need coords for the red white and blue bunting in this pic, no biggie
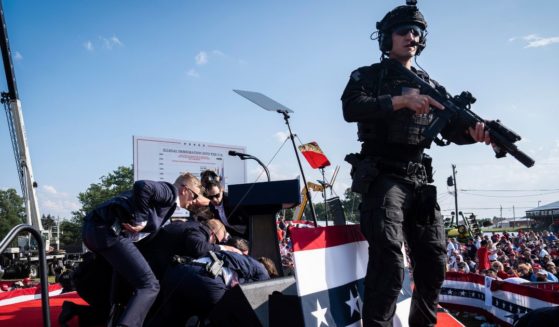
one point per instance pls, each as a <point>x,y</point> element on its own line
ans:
<point>500,300</point>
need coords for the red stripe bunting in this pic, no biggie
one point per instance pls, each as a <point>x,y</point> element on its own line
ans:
<point>533,292</point>
<point>462,277</point>
<point>324,237</point>
<point>497,285</point>
<point>27,291</point>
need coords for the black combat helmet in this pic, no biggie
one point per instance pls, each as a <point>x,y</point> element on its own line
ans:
<point>401,15</point>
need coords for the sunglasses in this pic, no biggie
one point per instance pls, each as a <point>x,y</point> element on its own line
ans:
<point>405,29</point>
<point>215,196</point>
<point>194,194</point>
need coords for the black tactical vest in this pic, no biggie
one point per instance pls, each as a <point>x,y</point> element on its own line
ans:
<point>399,127</point>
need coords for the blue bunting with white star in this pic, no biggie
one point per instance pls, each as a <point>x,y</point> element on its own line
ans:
<point>338,306</point>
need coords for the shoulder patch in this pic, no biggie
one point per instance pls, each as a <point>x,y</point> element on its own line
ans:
<point>356,75</point>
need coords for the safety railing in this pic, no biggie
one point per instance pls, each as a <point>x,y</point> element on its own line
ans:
<point>42,264</point>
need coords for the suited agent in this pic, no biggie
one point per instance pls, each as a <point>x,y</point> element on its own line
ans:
<point>233,219</point>
<point>111,229</point>
<point>189,290</point>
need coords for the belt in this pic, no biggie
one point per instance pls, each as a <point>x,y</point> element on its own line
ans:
<point>401,168</point>
<point>178,259</point>
<point>213,268</point>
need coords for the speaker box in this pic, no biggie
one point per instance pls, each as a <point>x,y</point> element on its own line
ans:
<point>234,310</point>
<point>337,211</point>
<point>285,310</point>
<point>249,304</point>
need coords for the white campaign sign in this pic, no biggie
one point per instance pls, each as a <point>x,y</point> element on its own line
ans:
<point>165,159</point>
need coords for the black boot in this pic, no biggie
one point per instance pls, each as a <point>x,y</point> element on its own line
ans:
<point>67,313</point>
<point>114,316</point>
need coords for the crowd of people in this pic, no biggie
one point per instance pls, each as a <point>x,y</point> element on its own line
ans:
<point>516,257</point>
<point>285,242</point>
<point>8,286</point>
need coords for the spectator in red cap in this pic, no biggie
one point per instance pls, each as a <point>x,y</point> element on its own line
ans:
<point>536,266</point>
<point>539,272</point>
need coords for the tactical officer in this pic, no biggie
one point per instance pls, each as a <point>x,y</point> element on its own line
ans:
<point>393,174</point>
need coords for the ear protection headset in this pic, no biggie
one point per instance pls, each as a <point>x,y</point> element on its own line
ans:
<point>400,16</point>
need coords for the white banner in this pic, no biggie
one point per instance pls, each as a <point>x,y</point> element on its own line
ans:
<point>164,159</point>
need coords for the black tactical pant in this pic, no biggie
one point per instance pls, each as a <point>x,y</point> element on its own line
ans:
<point>388,217</point>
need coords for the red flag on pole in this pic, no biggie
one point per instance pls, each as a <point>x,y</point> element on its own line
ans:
<point>314,155</point>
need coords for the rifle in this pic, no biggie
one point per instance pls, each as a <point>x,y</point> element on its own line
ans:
<point>458,108</point>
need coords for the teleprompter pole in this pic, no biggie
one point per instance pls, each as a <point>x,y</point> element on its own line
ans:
<point>324,184</point>
<point>313,212</point>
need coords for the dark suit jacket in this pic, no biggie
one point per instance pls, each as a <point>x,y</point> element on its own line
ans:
<point>247,268</point>
<point>189,238</point>
<point>148,201</point>
<point>237,220</point>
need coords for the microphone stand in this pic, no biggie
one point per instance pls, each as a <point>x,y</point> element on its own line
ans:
<point>286,118</point>
<point>271,105</point>
<point>248,156</point>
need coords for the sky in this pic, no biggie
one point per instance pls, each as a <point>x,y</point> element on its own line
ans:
<point>91,74</point>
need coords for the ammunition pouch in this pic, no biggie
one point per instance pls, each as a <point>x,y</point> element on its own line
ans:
<point>425,204</point>
<point>363,172</point>
<point>427,162</point>
<point>214,268</point>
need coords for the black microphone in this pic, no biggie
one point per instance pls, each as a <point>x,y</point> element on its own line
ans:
<point>416,43</point>
<point>239,154</point>
<point>244,156</point>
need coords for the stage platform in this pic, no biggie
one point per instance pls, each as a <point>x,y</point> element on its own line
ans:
<point>29,313</point>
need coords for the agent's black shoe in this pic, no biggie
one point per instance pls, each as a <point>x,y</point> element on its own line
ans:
<point>67,313</point>
<point>114,316</point>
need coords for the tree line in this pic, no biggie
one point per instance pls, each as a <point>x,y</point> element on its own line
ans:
<point>12,208</point>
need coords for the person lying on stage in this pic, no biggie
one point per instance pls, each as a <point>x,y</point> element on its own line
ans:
<point>93,278</point>
<point>239,243</point>
<point>192,288</point>
<point>185,238</point>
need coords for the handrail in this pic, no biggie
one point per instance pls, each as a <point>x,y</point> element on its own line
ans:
<point>42,264</point>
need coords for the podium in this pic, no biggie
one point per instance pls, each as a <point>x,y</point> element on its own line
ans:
<point>260,202</point>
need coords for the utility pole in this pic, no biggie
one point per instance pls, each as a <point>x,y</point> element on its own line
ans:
<point>455,192</point>
<point>513,216</point>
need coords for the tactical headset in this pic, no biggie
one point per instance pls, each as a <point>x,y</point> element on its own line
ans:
<point>401,15</point>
